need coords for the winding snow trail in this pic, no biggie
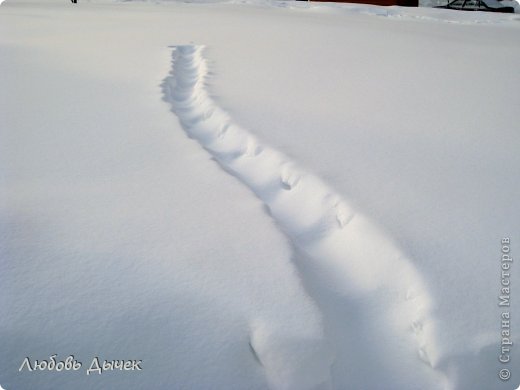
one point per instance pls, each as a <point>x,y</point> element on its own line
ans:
<point>346,261</point>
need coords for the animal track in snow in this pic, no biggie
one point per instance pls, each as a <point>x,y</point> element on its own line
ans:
<point>353,256</point>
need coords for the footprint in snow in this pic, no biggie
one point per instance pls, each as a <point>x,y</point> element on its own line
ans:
<point>289,179</point>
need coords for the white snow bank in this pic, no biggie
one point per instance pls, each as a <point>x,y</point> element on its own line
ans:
<point>122,238</point>
<point>351,254</point>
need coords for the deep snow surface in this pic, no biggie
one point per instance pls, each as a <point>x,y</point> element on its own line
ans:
<point>257,194</point>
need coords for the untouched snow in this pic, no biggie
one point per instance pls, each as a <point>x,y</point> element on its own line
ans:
<point>334,222</point>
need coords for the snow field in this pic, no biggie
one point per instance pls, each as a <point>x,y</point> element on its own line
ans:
<point>376,155</point>
<point>353,256</point>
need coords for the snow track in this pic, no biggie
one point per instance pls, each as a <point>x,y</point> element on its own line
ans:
<point>345,260</point>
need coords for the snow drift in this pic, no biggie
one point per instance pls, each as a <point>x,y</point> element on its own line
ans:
<point>323,208</point>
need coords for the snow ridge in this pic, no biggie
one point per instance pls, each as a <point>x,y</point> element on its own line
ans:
<point>346,254</point>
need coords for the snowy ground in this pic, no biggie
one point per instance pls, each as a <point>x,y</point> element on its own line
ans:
<point>257,194</point>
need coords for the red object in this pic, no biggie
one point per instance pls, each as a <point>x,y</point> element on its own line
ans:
<point>403,3</point>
